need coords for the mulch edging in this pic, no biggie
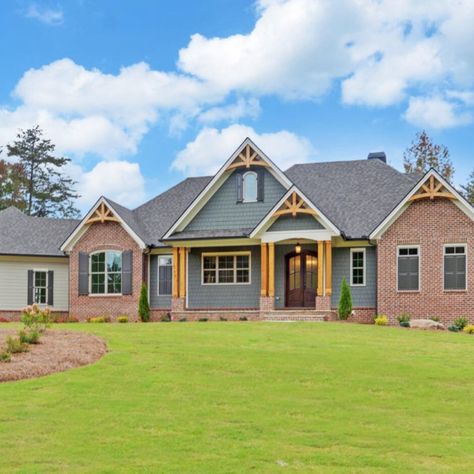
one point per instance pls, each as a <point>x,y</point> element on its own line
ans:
<point>58,351</point>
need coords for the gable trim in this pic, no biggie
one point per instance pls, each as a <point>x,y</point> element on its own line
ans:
<point>267,220</point>
<point>88,219</point>
<point>452,194</point>
<point>217,181</point>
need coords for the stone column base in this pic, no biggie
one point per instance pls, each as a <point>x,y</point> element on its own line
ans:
<point>178,304</point>
<point>267,303</point>
<point>323,303</point>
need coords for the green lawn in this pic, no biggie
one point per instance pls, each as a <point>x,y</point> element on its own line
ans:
<point>249,397</point>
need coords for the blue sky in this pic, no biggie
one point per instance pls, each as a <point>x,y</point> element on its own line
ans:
<point>141,94</point>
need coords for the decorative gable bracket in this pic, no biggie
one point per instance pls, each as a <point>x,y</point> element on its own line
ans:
<point>293,206</point>
<point>102,214</point>
<point>247,157</point>
<point>432,189</point>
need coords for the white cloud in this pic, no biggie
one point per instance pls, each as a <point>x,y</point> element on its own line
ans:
<point>435,112</point>
<point>48,16</point>
<point>233,112</point>
<point>212,147</point>
<point>120,181</point>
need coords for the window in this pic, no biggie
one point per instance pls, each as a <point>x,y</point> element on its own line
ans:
<point>357,267</point>
<point>250,187</point>
<point>408,268</point>
<point>165,275</point>
<point>454,267</point>
<point>40,286</point>
<point>106,272</point>
<point>226,268</point>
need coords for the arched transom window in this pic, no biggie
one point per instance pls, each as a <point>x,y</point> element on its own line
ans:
<point>106,272</point>
<point>250,186</point>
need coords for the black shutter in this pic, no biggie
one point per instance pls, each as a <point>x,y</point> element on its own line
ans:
<point>83,273</point>
<point>30,287</point>
<point>260,184</point>
<point>240,187</point>
<point>50,287</point>
<point>127,260</point>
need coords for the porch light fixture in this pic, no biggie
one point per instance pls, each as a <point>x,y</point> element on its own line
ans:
<point>298,248</point>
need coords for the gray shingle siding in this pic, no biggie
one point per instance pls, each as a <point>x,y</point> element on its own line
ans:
<point>302,222</point>
<point>223,296</point>
<point>362,296</point>
<point>156,301</point>
<point>223,212</point>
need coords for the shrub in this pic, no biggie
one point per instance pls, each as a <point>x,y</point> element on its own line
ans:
<point>34,318</point>
<point>436,319</point>
<point>243,318</point>
<point>4,320</point>
<point>461,322</point>
<point>202,320</point>
<point>403,318</point>
<point>165,318</point>
<point>5,356</point>
<point>381,320</point>
<point>29,337</point>
<point>143,305</point>
<point>122,319</point>
<point>405,324</point>
<point>221,318</point>
<point>469,329</point>
<point>72,319</point>
<point>183,320</point>
<point>14,345</point>
<point>345,301</point>
<point>453,328</point>
<point>97,319</point>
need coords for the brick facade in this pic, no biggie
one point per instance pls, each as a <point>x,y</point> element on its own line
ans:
<point>429,224</point>
<point>105,236</point>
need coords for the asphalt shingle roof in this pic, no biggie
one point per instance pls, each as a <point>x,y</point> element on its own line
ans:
<point>24,235</point>
<point>355,195</point>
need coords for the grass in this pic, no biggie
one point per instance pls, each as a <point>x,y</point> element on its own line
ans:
<point>249,397</point>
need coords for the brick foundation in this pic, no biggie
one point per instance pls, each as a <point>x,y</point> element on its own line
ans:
<point>429,224</point>
<point>105,236</point>
<point>363,315</point>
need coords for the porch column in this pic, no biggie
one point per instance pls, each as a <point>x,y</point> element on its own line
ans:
<point>264,269</point>
<point>320,268</point>
<point>328,254</point>
<point>175,272</point>
<point>271,270</point>
<point>182,272</point>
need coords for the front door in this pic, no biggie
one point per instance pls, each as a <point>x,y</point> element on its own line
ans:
<point>301,273</point>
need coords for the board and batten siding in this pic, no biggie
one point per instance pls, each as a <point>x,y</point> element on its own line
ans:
<point>223,296</point>
<point>157,301</point>
<point>14,281</point>
<point>362,296</point>
<point>222,211</point>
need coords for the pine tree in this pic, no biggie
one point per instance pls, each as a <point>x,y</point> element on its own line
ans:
<point>12,185</point>
<point>468,189</point>
<point>143,306</point>
<point>48,192</point>
<point>423,154</point>
<point>345,301</point>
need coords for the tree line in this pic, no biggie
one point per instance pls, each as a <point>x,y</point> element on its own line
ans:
<point>34,181</point>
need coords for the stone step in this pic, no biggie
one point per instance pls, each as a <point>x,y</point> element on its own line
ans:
<point>294,317</point>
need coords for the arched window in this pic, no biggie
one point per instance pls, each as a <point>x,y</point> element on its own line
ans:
<point>250,187</point>
<point>106,272</point>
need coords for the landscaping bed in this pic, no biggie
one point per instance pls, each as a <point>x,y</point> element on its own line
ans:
<point>56,352</point>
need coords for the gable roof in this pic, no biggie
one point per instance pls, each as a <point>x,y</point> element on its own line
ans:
<point>26,235</point>
<point>354,195</point>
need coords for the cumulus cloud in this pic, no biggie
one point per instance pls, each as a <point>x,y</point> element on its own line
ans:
<point>435,112</point>
<point>233,112</point>
<point>212,147</point>
<point>47,16</point>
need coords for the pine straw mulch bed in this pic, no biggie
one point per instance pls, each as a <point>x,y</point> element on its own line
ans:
<point>56,352</point>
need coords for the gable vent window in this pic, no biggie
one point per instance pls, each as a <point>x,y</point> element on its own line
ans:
<point>454,267</point>
<point>250,186</point>
<point>408,269</point>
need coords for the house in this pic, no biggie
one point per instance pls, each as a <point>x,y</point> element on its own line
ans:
<point>253,241</point>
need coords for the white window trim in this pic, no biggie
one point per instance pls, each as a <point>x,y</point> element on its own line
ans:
<point>364,267</point>
<point>220,254</point>
<point>444,273</point>
<point>419,267</point>
<point>106,293</point>
<point>34,286</point>
<point>243,187</point>
<point>158,273</point>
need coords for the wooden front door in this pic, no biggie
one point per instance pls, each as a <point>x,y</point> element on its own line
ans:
<point>301,274</point>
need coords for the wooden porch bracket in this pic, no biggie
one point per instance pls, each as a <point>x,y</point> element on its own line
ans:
<point>294,206</point>
<point>320,267</point>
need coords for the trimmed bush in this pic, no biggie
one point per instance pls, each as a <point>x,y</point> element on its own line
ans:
<point>405,324</point>
<point>243,318</point>
<point>143,305</point>
<point>469,329</point>
<point>403,318</point>
<point>381,320</point>
<point>166,318</point>
<point>202,320</point>
<point>97,319</point>
<point>122,319</point>
<point>345,301</point>
<point>14,345</point>
<point>461,322</point>
<point>183,320</point>
<point>453,328</point>
<point>221,318</point>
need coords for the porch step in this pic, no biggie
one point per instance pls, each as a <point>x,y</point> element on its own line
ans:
<point>279,316</point>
